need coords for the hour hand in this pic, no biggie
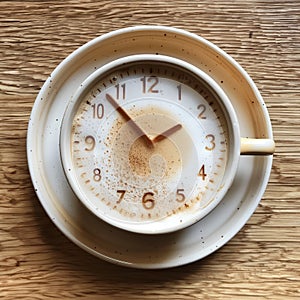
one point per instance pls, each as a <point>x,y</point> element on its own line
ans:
<point>166,133</point>
<point>127,117</point>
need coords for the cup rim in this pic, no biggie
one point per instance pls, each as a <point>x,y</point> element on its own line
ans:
<point>231,165</point>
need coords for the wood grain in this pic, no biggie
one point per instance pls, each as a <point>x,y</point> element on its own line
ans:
<point>261,261</point>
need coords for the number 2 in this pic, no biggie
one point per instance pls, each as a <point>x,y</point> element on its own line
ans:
<point>202,109</point>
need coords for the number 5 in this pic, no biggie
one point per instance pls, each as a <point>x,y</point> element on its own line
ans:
<point>180,197</point>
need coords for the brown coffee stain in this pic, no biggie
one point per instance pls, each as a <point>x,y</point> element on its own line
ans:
<point>161,160</point>
<point>139,157</point>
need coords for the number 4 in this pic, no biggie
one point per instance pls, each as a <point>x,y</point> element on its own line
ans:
<point>202,172</point>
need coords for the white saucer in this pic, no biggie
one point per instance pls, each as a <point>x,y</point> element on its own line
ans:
<point>94,235</point>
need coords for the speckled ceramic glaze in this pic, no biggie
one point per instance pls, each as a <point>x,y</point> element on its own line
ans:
<point>85,228</point>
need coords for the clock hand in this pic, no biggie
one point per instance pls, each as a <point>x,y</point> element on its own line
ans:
<point>125,115</point>
<point>166,133</point>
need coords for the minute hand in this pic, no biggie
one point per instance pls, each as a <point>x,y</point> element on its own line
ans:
<point>166,133</point>
<point>125,115</point>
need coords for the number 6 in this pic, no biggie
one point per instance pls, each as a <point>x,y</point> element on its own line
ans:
<point>148,201</point>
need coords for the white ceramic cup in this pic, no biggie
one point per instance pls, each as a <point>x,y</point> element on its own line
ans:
<point>182,218</point>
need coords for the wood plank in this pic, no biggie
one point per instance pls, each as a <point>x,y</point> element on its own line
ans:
<point>261,261</point>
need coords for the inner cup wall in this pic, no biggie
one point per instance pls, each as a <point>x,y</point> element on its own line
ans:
<point>230,129</point>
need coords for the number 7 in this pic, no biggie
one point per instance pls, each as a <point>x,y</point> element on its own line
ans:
<point>122,194</point>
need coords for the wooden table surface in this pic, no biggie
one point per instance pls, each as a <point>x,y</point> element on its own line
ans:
<point>261,262</point>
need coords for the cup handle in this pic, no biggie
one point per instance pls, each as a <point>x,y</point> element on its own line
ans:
<point>251,146</point>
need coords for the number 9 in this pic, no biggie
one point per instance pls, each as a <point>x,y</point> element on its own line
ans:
<point>90,141</point>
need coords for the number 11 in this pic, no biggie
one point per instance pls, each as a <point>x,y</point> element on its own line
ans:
<point>120,91</point>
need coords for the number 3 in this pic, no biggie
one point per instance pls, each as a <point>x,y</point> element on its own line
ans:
<point>211,139</point>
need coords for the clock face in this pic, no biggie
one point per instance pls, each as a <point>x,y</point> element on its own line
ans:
<point>148,140</point>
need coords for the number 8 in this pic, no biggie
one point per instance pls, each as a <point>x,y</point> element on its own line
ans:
<point>97,174</point>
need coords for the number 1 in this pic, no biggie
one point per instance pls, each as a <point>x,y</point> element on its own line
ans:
<point>179,92</point>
